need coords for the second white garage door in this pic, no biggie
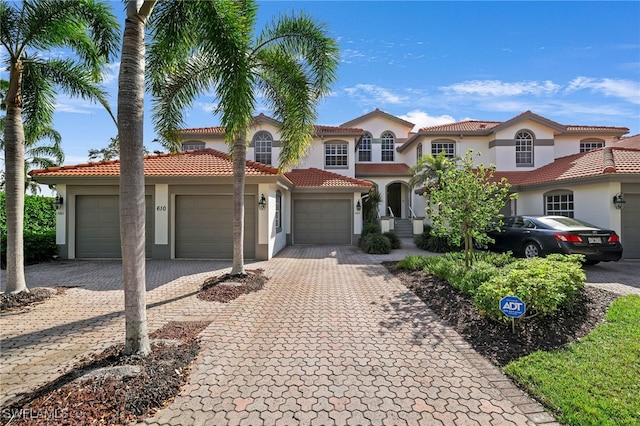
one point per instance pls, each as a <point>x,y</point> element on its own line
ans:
<point>204,226</point>
<point>322,222</point>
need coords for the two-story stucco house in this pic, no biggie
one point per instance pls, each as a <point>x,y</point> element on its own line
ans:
<point>555,168</point>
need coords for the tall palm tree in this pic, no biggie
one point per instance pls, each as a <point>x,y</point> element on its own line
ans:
<point>183,25</point>
<point>89,30</point>
<point>292,63</point>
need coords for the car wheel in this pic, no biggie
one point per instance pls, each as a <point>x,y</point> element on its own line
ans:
<point>531,249</point>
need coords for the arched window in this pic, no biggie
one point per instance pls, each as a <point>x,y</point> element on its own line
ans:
<point>524,148</point>
<point>278,211</point>
<point>364,149</point>
<point>262,144</point>
<point>192,145</point>
<point>559,203</point>
<point>388,146</point>
<point>419,151</point>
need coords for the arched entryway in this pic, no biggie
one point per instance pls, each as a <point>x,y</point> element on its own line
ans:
<point>397,199</point>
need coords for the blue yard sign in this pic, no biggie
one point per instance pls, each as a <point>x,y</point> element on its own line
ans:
<point>512,306</point>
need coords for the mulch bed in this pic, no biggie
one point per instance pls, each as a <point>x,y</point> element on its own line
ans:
<point>226,288</point>
<point>111,388</point>
<point>23,300</point>
<point>495,341</point>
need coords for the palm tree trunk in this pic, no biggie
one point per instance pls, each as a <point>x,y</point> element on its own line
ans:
<point>239,163</point>
<point>14,183</point>
<point>132,200</point>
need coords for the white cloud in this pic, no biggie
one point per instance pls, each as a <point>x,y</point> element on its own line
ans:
<point>500,88</point>
<point>624,89</point>
<point>77,106</point>
<point>375,94</point>
<point>208,107</point>
<point>423,119</point>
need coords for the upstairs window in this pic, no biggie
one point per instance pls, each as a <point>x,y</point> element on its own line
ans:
<point>262,144</point>
<point>419,151</point>
<point>364,150</point>
<point>448,147</point>
<point>192,146</point>
<point>524,149</point>
<point>559,203</point>
<point>388,146</point>
<point>336,155</point>
<point>590,145</point>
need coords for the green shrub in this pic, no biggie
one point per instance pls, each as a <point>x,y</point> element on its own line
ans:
<point>433,243</point>
<point>394,239</point>
<point>39,214</point>
<point>544,284</point>
<point>370,228</point>
<point>479,273</point>
<point>414,263</point>
<point>375,244</point>
<point>449,267</point>
<point>38,247</point>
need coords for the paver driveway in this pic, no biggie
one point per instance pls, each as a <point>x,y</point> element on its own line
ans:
<point>332,339</point>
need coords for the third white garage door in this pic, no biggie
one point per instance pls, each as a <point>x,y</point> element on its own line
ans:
<point>322,222</point>
<point>204,226</point>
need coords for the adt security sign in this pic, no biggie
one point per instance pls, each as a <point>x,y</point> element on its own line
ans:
<point>512,306</point>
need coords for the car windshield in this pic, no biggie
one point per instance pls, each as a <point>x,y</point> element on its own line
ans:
<point>561,222</point>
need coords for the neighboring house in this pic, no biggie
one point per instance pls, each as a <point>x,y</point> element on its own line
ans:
<point>555,168</point>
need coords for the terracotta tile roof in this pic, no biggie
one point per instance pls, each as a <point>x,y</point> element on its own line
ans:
<point>486,127</point>
<point>316,178</point>
<point>337,130</point>
<point>589,164</point>
<point>628,142</point>
<point>461,126</point>
<point>219,130</point>
<point>386,169</point>
<point>204,162</point>
<point>379,113</point>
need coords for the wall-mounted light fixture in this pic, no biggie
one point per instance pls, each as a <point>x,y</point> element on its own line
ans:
<point>262,203</point>
<point>358,206</point>
<point>58,202</point>
<point>618,201</point>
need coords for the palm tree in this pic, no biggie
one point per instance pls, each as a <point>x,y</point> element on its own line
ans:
<point>183,25</point>
<point>292,63</point>
<point>426,172</point>
<point>88,29</point>
<point>37,154</point>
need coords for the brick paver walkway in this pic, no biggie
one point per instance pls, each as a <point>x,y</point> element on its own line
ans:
<point>332,339</point>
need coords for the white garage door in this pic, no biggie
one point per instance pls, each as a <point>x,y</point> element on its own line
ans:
<point>98,226</point>
<point>204,226</point>
<point>631,227</point>
<point>322,222</point>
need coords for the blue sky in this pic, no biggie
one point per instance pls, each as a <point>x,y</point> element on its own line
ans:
<point>439,62</point>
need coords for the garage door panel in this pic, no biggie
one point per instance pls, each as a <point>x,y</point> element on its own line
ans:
<point>322,222</point>
<point>98,226</point>
<point>204,227</point>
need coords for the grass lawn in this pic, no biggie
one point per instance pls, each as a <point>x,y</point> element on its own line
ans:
<point>595,381</point>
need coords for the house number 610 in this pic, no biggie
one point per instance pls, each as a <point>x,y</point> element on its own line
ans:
<point>161,208</point>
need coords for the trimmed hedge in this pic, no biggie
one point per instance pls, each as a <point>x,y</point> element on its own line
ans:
<point>38,247</point>
<point>39,229</point>
<point>544,284</point>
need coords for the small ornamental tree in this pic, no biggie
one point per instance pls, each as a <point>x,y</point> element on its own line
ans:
<point>466,202</point>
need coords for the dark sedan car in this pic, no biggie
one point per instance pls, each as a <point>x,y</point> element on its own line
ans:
<point>532,236</point>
